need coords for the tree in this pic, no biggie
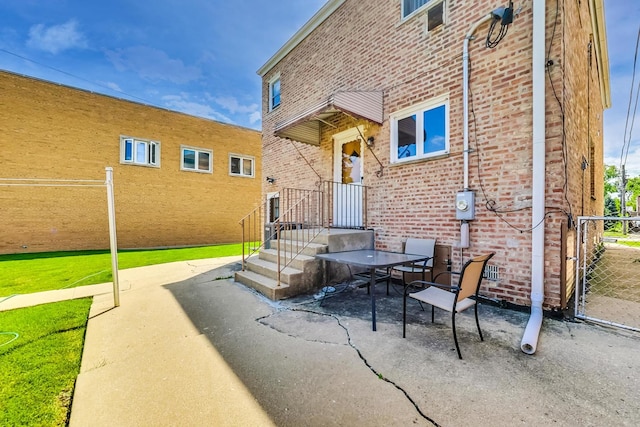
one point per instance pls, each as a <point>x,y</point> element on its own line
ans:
<point>611,179</point>
<point>633,187</point>
<point>610,209</point>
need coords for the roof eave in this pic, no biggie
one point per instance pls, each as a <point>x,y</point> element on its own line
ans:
<point>600,39</point>
<point>301,34</point>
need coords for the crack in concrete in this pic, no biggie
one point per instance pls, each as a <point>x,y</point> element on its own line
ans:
<point>353,346</point>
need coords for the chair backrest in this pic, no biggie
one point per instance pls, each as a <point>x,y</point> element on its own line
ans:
<point>471,275</point>
<point>425,247</point>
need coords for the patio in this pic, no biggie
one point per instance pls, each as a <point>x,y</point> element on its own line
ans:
<point>202,351</point>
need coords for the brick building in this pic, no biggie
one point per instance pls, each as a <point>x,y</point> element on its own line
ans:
<point>429,103</point>
<point>179,180</point>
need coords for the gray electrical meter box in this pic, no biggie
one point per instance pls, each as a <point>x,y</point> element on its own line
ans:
<point>465,206</point>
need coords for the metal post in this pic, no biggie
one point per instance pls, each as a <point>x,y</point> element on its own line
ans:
<point>113,243</point>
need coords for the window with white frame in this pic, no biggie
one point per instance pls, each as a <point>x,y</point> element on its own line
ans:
<point>274,92</point>
<point>420,131</point>
<point>409,7</point>
<point>196,159</point>
<point>241,165</point>
<point>137,151</point>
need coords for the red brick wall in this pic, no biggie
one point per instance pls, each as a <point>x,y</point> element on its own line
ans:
<point>52,131</point>
<point>365,46</point>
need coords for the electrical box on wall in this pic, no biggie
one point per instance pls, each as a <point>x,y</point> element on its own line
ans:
<point>465,206</point>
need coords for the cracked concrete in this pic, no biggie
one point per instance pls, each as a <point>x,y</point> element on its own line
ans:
<point>200,351</point>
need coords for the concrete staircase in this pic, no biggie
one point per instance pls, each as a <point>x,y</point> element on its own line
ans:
<point>305,273</point>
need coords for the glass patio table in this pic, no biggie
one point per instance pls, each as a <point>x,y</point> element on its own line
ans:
<point>371,259</point>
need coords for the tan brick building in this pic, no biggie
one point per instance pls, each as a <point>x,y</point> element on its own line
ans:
<point>179,180</point>
<point>381,87</point>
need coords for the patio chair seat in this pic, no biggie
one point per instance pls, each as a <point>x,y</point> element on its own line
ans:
<point>442,299</point>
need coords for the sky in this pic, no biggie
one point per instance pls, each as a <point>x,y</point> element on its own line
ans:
<point>200,57</point>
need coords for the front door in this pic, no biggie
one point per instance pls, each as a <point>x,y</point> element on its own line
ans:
<point>348,171</point>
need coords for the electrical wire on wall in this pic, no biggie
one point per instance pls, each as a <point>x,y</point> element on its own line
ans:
<point>565,161</point>
<point>490,203</point>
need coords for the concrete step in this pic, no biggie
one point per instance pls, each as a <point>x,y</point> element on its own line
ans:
<point>338,240</point>
<point>265,285</point>
<point>311,249</point>
<point>289,275</point>
<point>298,262</point>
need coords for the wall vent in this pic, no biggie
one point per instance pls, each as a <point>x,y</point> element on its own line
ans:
<point>491,273</point>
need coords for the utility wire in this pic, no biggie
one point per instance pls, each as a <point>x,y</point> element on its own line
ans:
<point>626,141</point>
<point>58,70</point>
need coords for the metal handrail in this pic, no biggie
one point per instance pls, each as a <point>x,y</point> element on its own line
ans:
<point>305,214</point>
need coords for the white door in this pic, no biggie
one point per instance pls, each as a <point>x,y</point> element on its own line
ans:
<point>348,171</point>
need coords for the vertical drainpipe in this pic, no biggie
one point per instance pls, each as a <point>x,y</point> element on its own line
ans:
<point>532,331</point>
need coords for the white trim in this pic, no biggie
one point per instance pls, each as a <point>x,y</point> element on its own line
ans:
<point>302,33</point>
<point>149,143</point>
<point>196,160</point>
<point>428,5</point>
<point>272,80</point>
<point>243,157</point>
<point>442,100</point>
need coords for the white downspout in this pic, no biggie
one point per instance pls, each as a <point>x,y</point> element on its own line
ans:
<point>465,96</point>
<point>532,331</point>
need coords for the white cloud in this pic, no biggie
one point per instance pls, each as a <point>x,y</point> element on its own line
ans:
<point>232,105</point>
<point>153,64</point>
<point>255,117</point>
<point>180,103</point>
<point>113,86</point>
<point>56,38</point>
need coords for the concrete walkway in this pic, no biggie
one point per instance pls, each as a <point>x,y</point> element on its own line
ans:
<point>186,349</point>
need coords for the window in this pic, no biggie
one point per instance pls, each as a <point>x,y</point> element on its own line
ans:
<point>410,6</point>
<point>434,8</point>
<point>273,206</point>
<point>241,165</point>
<point>139,151</point>
<point>274,92</point>
<point>421,131</point>
<point>195,159</point>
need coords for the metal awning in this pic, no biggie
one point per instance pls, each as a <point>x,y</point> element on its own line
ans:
<point>306,125</point>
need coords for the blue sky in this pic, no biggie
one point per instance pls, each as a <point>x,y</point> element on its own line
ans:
<point>201,56</point>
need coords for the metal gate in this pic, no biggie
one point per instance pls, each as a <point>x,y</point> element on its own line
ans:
<point>608,271</point>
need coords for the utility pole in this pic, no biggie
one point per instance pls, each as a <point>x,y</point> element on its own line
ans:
<point>623,199</point>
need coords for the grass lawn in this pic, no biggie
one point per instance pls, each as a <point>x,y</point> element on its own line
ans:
<point>26,273</point>
<point>41,346</point>
<point>39,362</point>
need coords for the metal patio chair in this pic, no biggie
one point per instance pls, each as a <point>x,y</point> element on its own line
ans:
<point>415,246</point>
<point>452,298</point>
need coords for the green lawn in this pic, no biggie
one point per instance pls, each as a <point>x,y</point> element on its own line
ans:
<point>40,352</point>
<point>41,346</point>
<point>26,273</point>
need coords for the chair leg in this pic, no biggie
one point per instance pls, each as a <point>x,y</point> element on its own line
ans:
<point>404,313</point>
<point>478,323</point>
<point>455,337</point>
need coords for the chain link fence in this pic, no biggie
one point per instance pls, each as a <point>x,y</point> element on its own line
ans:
<point>608,271</point>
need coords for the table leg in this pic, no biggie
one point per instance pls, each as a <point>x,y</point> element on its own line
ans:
<point>373,297</point>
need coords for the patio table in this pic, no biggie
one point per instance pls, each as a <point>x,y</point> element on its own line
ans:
<point>371,259</point>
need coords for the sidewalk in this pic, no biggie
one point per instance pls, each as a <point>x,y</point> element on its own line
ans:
<point>186,349</point>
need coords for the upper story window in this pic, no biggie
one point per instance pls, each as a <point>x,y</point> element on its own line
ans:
<point>196,159</point>
<point>420,131</point>
<point>241,165</point>
<point>139,151</point>
<point>435,13</point>
<point>274,92</point>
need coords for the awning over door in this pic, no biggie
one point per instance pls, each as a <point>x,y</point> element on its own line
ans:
<point>306,126</point>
